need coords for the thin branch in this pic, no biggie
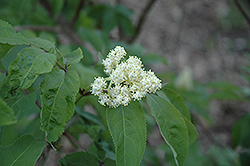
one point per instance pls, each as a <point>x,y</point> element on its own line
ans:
<point>75,141</point>
<point>59,64</point>
<point>242,11</point>
<point>77,13</point>
<point>39,104</point>
<point>142,19</point>
<point>38,28</point>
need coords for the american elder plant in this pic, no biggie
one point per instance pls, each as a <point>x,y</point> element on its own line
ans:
<point>38,80</point>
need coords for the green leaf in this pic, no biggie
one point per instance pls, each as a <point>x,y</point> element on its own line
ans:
<point>9,35</point>
<point>241,134</point>
<point>177,101</point>
<point>153,59</point>
<point>42,43</point>
<point>79,159</point>
<point>74,57</point>
<point>128,130</point>
<point>7,115</point>
<point>93,38</point>
<point>172,126</point>
<point>25,151</point>
<point>58,98</point>
<point>4,48</point>
<point>29,64</point>
<point>23,105</point>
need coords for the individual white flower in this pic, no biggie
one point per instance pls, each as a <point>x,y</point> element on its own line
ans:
<point>98,85</point>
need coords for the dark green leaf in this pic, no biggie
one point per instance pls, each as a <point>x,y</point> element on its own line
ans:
<point>79,159</point>
<point>177,101</point>
<point>4,48</point>
<point>9,35</point>
<point>23,105</point>
<point>153,59</point>
<point>74,57</point>
<point>24,151</point>
<point>7,115</point>
<point>93,38</point>
<point>172,126</point>
<point>11,55</point>
<point>58,101</point>
<point>128,130</point>
<point>29,64</point>
<point>241,134</point>
<point>42,43</point>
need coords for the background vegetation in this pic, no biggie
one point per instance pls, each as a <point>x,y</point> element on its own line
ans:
<point>201,48</point>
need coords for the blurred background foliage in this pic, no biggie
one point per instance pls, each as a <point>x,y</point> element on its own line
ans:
<point>199,48</point>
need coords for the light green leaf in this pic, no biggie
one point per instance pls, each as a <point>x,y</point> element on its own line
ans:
<point>172,126</point>
<point>29,64</point>
<point>42,43</point>
<point>7,116</point>
<point>9,35</point>
<point>4,48</point>
<point>79,159</point>
<point>74,57</point>
<point>128,129</point>
<point>58,98</point>
<point>25,151</point>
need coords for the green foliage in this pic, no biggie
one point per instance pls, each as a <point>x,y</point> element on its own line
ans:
<point>24,151</point>
<point>59,90</point>
<point>30,63</point>
<point>172,126</point>
<point>7,116</point>
<point>128,129</point>
<point>80,159</point>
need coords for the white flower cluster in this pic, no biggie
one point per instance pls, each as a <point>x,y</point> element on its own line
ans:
<point>127,80</point>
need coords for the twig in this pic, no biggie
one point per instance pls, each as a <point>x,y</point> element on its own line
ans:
<point>61,66</point>
<point>77,13</point>
<point>39,104</point>
<point>75,141</point>
<point>242,11</point>
<point>142,19</point>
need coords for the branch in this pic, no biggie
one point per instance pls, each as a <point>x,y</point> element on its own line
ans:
<point>242,11</point>
<point>75,141</point>
<point>77,13</point>
<point>47,6</point>
<point>142,19</point>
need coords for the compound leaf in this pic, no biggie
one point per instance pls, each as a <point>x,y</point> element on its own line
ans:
<point>24,151</point>
<point>79,159</point>
<point>128,130</point>
<point>172,126</point>
<point>59,90</point>
<point>30,63</point>
<point>9,35</point>
<point>7,115</point>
